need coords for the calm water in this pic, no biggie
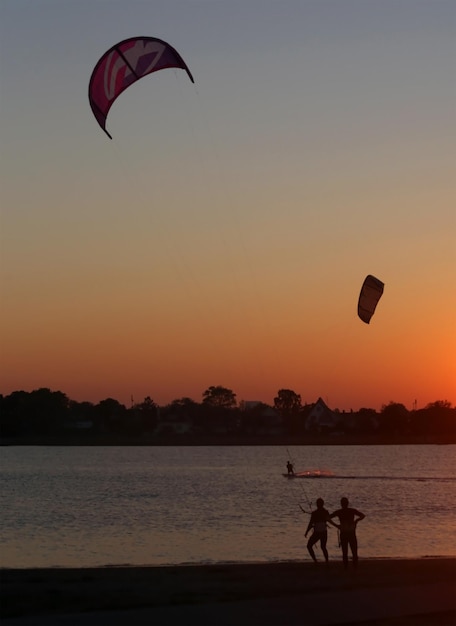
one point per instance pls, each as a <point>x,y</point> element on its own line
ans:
<point>90,506</point>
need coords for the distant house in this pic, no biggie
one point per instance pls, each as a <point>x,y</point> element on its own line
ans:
<point>321,419</point>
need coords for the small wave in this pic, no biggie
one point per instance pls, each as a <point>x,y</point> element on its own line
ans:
<point>438,479</point>
<point>313,474</point>
<point>329,474</point>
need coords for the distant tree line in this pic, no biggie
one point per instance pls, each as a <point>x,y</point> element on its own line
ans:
<point>50,415</point>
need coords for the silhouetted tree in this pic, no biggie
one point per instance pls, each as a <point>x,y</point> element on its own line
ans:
<point>111,414</point>
<point>13,414</point>
<point>394,418</point>
<point>181,408</point>
<point>48,410</point>
<point>253,417</point>
<point>366,421</point>
<point>80,410</point>
<point>147,415</point>
<point>288,404</point>
<point>219,397</point>
<point>437,418</point>
<point>219,412</point>
<point>43,412</point>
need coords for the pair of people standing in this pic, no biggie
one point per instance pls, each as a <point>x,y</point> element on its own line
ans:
<point>348,519</point>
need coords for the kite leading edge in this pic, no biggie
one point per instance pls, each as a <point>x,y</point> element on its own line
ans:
<point>124,64</point>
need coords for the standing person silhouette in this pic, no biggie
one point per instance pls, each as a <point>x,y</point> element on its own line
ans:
<point>348,519</point>
<point>318,520</point>
<point>290,468</point>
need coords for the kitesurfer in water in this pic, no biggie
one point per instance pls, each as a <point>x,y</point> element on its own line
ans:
<point>290,467</point>
<point>348,519</point>
<point>318,521</point>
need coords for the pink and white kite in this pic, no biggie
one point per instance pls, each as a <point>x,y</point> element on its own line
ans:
<point>124,64</point>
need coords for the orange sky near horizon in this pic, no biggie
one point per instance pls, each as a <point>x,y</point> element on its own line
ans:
<point>222,236</point>
<point>180,351</point>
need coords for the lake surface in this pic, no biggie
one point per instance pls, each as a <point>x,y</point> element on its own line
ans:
<point>95,506</point>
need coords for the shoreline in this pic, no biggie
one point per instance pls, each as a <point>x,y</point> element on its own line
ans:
<point>380,589</point>
<point>203,564</point>
<point>229,440</point>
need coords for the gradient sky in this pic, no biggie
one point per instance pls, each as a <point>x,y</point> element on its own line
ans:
<point>222,237</point>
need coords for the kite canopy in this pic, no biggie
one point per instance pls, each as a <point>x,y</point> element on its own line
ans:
<point>124,64</point>
<point>370,294</point>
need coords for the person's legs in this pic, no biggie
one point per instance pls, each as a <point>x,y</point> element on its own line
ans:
<point>313,540</point>
<point>344,546</point>
<point>323,541</point>
<point>354,549</point>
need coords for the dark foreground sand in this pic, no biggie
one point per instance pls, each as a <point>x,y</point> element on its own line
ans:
<point>381,592</point>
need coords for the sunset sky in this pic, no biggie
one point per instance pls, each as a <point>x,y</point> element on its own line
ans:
<point>222,236</point>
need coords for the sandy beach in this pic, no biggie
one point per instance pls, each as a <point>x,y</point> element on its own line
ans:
<point>386,592</point>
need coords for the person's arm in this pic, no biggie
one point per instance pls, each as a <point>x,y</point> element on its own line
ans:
<point>330,520</point>
<point>359,515</point>
<point>310,525</point>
